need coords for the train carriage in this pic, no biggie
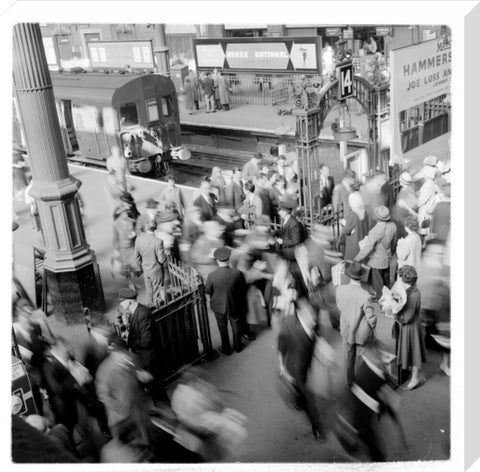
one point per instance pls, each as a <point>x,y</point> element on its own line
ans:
<point>138,113</point>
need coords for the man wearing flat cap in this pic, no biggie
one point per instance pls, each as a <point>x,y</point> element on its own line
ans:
<point>150,256</point>
<point>227,289</point>
<point>143,340</point>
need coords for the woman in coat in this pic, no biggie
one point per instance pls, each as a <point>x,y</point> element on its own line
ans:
<point>409,249</point>
<point>411,351</point>
<point>356,227</point>
<point>189,91</point>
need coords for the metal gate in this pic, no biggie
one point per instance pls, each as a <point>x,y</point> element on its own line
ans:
<point>182,323</point>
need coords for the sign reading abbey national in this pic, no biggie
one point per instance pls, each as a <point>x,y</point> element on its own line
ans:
<point>292,54</point>
<point>420,73</point>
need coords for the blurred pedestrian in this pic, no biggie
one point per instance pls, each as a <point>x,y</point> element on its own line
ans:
<point>406,204</point>
<point>124,237</point>
<point>216,77</point>
<point>189,93</point>
<point>356,227</point>
<point>228,300</point>
<point>411,352</point>
<point>409,249</point>
<point>118,388</point>
<point>150,257</point>
<point>342,190</point>
<point>218,184</point>
<point>439,213</point>
<point>117,168</point>
<point>251,169</point>
<point>172,198</point>
<point>262,192</point>
<point>252,206</point>
<point>377,250</point>
<point>296,343</point>
<point>369,398</point>
<point>426,195</point>
<point>357,318</point>
<point>197,91</point>
<point>327,185</point>
<point>150,214</point>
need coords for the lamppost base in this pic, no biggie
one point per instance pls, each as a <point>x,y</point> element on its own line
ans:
<point>72,291</point>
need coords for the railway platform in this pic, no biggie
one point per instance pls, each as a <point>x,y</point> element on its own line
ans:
<point>275,432</point>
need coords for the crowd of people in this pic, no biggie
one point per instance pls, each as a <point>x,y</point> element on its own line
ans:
<point>260,267</point>
<point>209,87</point>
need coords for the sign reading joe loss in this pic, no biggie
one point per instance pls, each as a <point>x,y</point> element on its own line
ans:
<point>293,54</point>
<point>420,73</point>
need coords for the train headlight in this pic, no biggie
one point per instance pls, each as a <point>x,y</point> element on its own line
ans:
<point>181,152</point>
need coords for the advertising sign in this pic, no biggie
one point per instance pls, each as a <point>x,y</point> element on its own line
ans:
<point>333,32</point>
<point>277,54</point>
<point>118,54</point>
<point>419,73</point>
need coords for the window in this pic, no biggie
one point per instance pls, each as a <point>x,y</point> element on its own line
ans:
<point>152,110</point>
<point>166,107</point>
<point>129,114</point>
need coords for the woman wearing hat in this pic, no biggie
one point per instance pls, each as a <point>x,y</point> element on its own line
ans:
<point>378,248</point>
<point>406,204</point>
<point>410,349</point>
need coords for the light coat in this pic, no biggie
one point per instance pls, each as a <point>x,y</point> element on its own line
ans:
<point>377,247</point>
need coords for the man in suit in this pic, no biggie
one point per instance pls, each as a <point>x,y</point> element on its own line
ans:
<point>150,215</point>
<point>291,233</point>
<point>234,194</point>
<point>354,302</point>
<point>150,256</point>
<point>342,191</point>
<point>143,341</point>
<point>205,202</point>
<point>228,299</point>
<point>326,186</point>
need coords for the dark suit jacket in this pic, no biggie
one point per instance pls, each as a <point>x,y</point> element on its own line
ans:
<point>296,349</point>
<point>208,212</point>
<point>228,292</point>
<point>292,235</point>
<point>326,192</point>
<point>234,195</point>
<point>141,337</point>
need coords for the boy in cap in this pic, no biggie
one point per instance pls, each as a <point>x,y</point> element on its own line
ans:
<point>227,289</point>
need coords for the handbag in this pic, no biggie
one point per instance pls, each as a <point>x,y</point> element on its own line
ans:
<point>425,223</point>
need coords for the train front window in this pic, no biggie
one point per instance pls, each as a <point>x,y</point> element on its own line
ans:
<point>129,114</point>
<point>152,110</point>
<point>166,107</point>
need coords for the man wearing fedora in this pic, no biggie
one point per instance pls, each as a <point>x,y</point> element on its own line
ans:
<point>234,194</point>
<point>227,289</point>
<point>354,302</point>
<point>151,214</point>
<point>378,248</point>
<point>150,256</point>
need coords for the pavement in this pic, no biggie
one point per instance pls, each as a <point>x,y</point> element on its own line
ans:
<point>276,433</point>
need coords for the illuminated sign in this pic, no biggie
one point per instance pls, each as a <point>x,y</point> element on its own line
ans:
<point>118,54</point>
<point>301,54</point>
